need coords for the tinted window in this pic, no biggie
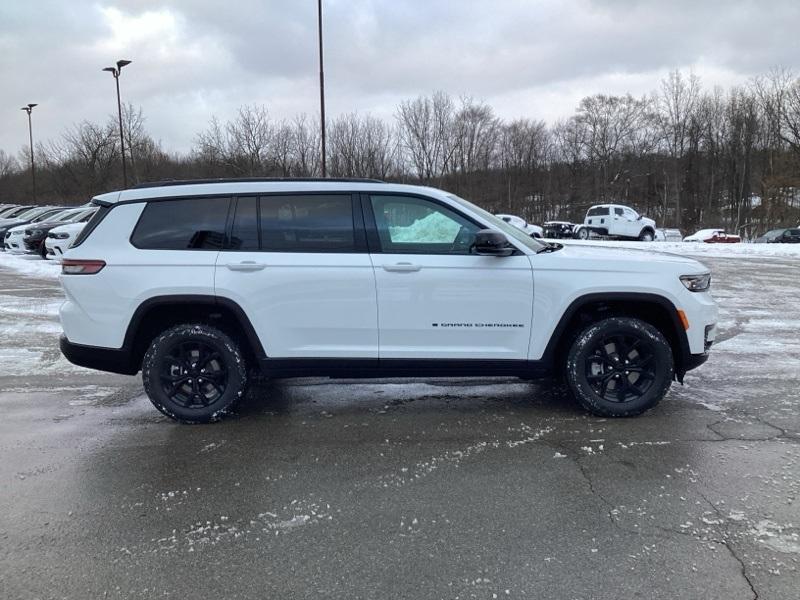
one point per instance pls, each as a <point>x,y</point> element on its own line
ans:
<point>244,235</point>
<point>98,216</point>
<point>792,233</point>
<point>418,226</point>
<point>316,223</point>
<point>196,224</point>
<point>597,211</point>
<point>618,211</point>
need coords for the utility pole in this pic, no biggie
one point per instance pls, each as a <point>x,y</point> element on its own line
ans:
<point>29,109</point>
<point>115,71</point>
<point>321,91</point>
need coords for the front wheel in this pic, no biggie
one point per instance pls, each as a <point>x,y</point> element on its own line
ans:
<point>194,373</point>
<point>582,234</point>
<point>619,367</point>
<point>646,236</point>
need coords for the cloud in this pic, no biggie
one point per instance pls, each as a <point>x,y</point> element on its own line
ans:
<point>195,58</point>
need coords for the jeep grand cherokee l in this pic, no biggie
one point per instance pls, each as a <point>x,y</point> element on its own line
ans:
<point>198,283</point>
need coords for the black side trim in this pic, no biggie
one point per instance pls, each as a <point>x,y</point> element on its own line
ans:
<point>192,299</point>
<point>583,301</point>
<point>102,359</point>
<point>365,368</point>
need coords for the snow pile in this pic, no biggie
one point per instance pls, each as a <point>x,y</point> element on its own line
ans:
<point>742,249</point>
<point>31,266</point>
<point>434,228</point>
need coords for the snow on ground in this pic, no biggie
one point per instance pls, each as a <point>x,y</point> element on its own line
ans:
<point>699,248</point>
<point>31,266</point>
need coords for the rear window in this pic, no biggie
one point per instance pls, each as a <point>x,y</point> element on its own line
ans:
<point>597,211</point>
<point>294,223</point>
<point>184,224</point>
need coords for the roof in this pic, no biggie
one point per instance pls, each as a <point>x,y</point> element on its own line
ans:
<point>204,187</point>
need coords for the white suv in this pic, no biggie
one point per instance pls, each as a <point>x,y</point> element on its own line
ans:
<point>198,283</point>
<point>615,220</point>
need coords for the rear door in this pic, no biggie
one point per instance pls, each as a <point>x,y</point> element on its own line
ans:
<point>298,266</point>
<point>436,300</point>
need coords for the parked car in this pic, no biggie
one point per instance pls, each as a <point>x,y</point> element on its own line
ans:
<point>197,283</point>
<point>616,221</point>
<point>780,236</point>
<point>15,212</point>
<point>713,236</point>
<point>60,238</point>
<point>31,217</point>
<point>557,230</point>
<point>520,223</point>
<point>35,236</point>
<point>668,235</point>
<point>9,209</point>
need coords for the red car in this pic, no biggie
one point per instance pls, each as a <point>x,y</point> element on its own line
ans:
<point>713,236</point>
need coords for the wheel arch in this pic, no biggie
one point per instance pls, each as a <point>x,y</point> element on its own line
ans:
<point>158,313</point>
<point>655,309</point>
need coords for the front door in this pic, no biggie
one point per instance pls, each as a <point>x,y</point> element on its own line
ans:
<point>435,298</point>
<point>298,266</point>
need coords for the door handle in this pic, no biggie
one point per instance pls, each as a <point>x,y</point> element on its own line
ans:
<point>246,265</point>
<point>403,267</point>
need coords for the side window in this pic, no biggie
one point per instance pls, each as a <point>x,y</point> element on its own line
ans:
<point>313,223</point>
<point>418,226</point>
<point>619,212</point>
<point>186,224</point>
<point>244,235</point>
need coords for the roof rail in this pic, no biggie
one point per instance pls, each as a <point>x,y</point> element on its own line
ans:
<point>168,182</point>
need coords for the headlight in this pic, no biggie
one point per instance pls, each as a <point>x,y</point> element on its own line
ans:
<point>697,283</point>
<point>58,236</point>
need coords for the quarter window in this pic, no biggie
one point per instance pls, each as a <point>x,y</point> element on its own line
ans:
<point>185,224</point>
<point>244,235</point>
<point>418,226</point>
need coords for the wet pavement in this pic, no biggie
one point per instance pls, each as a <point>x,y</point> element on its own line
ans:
<point>407,489</point>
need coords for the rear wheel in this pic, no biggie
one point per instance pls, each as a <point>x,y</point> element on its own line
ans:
<point>619,367</point>
<point>194,373</point>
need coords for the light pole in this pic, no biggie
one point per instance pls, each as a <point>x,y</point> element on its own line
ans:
<point>321,90</point>
<point>115,71</point>
<point>29,109</point>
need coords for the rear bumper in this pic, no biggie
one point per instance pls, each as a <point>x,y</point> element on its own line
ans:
<point>101,359</point>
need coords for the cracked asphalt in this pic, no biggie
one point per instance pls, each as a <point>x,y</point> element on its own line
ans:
<point>418,489</point>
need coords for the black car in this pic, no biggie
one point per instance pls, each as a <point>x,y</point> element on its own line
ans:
<point>558,229</point>
<point>780,236</point>
<point>35,235</point>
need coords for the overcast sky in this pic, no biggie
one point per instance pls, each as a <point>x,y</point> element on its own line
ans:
<point>196,58</point>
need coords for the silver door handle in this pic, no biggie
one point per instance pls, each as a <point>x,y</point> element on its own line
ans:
<point>246,265</point>
<point>402,267</point>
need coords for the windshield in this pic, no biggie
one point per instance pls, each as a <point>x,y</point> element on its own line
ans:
<point>501,225</point>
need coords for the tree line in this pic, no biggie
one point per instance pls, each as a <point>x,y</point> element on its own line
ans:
<point>687,156</point>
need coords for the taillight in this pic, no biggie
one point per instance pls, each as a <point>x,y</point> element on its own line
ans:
<point>71,266</point>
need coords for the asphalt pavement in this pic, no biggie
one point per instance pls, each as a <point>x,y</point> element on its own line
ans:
<point>453,489</point>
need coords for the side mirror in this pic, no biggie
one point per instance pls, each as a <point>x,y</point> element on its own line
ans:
<point>639,218</point>
<point>489,242</point>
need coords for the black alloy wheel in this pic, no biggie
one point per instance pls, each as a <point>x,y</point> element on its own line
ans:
<point>621,368</point>
<point>194,373</point>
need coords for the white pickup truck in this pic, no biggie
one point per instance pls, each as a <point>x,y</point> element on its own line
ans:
<point>617,221</point>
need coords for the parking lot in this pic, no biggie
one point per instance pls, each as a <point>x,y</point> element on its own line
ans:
<point>396,489</point>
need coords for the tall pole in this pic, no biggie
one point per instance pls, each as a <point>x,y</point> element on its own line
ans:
<point>121,133</point>
<point>29,109</point>
<point>321,91</point>
<point>115,71</point>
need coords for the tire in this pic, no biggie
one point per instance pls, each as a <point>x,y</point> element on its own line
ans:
<point>646,236</point>
<point>600,379</point>
<point>582,233</point>
<point>194,373</point>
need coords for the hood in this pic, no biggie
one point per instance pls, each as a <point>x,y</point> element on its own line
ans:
<point>649,221</point>
<point>602,258</point>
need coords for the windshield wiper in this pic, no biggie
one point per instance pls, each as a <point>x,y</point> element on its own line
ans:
<point>550,247</point>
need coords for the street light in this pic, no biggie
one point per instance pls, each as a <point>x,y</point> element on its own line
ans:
<point>29,109</point>
<point>115,71</point>
<point>321,88</point>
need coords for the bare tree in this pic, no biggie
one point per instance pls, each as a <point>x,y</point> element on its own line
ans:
<point>425,127</point>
